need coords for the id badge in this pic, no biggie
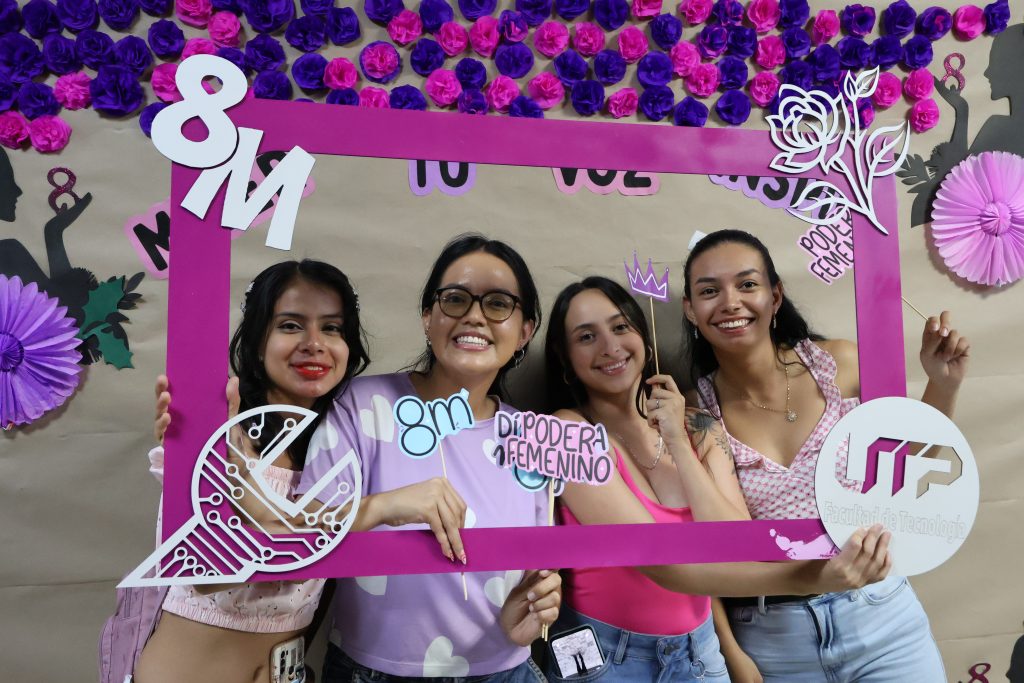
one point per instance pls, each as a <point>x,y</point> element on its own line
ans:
<point>576,651</point>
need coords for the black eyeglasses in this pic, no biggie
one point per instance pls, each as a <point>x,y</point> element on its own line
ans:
<point>455,302</point>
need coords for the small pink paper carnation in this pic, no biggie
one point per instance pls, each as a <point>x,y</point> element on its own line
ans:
<point>405,27</point>
<point>375,98</point>
<point>632,44</point>
<point>546,90</point>
<point>684,56</point>
<point>194,12</point>
<point>198,46</point>
<point>225,29</point>
<point>340,73</point>
<point>887,91</point>
<point>623,103</point>
<point>164,85</point>
<point>646,8</point>
<point>72,91</point>
<point>453,38</point>
<point>379,60</point>
<point>763,14</point>
<point>924,115</point>
<point>443,87</point>
<point>13,129</point>
<point>771,52</point>
<point>500,92</point>
<point>919,84</point>
<point>49,133</point>
<point>588,39</point>
<point>703,80</point>
<point>484,36</point>
<point>826,26</point>
<point>764,87</point>
<point>968,22</point>
<point>695,11</point>
<point>551,38</point>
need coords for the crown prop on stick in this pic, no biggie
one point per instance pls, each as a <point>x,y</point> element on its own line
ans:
<point>647,283</point>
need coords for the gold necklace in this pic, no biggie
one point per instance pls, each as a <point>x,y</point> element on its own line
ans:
<point>790,414</point>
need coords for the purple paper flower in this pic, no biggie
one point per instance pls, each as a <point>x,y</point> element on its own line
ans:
<point>38,357</point>
<point>917,52</point>
<point>898,19</point>
<point>797,42</point>
<point>10,17</point>
<point>570,9</point>
<point>346,96</point>
<point>934,23</point>
<point>857,20</point>
<point>306,34</point>
<point>8,91</point>
<point>611,14</point>
<point>472,102</point>
<point>690,112</point>
<point>263,53</point>
<point>316,8</point>
<point>236,57</point>
<point>997,16</point>
<point>824,61</point>
<point>116,91</point>
<point>733,72</point>
<point>742,42</point>
<point>272,85</point>
<point>570,68</point>
<point>36,99</point>
<point>535,11</point>
<point>95,48</point>
<point>133,53</point>
<point>78,14</point>
<point>308,71</point>
<point>20,59</point>
<point>799,74</point>
<point>666,30</point>
<point>59,54</point>
<point>609,67</point>
<point>472,73</point>
<point>233,6</point>
<point>712,40</point>
<point>525,108</point>
<point>887,50</point>
<point>587,97</point>
<point>514,61</point>
<point>733,107</point>
<point>382,11</point>
<point>512,26</point>
<point>166,39</point>
<point>426,56</point>
<point>342,25</point>
<point>655,68</point>
<point>793,13</point>
<point>474,9</point>
<point>119,14</point>
<point>156,8</point>
<point>408,97</point>
<point>657,101</point>
<point>149,113</point>
<point>854,53</point>
<point>727,12</point>
<point>40,18</point>
<point>266,16</point>
<point>433,13</point>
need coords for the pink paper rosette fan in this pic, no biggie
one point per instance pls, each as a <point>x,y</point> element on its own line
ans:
<point>978,218</point>
<point>38,361</point>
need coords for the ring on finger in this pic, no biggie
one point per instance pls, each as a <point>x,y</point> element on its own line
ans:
<point>657,404</point>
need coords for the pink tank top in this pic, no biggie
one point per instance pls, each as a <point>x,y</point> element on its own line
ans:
<point>624,597</point>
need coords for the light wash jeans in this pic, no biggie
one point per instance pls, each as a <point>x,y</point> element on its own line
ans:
<point>340,668</point>
<point>639,658</point>
<point>878,634</point>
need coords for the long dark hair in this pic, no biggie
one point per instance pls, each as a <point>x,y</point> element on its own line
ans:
<point>469,243</point>
<point>257,316</point>
<point>789,327</point>
<point>565,390</point>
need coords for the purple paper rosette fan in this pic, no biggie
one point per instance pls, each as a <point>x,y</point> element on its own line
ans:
<point>38,357</point>
<point>978,219</point>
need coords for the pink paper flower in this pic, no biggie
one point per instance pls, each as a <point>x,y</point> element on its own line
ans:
<point>194,12</point>
<point>198,46</point>
<point>379,60</point>
<point>646,8</point>
<point>588,39</point>
<point>405,27</point>
<point>340,73</point>
<point>49,134</point>
<point>225,29</point>
<point>695,11</point>
<point>632,44</point>
<point>968,22</point>
<point>771,52</point>
<point>703,80</point>
<point>484,36</point>
<point>623,103</point>
<point>764,87</point>
<point>13,129</point>
<point>443,87</point>
<point>887,91</point>
<point>164,85</point>
<point>546,90</point>
<point>919,84</point>
<point>923,115</point>
<point>684,56</point>
<point>375,98</point>
<point>72,90</point>
<point>500,92</point>
<point>453,38</point>
<point>551,38</point>
<point>826,26</point>
<point>764,14</point>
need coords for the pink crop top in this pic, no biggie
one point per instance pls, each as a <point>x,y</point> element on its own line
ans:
<point>624,597</point>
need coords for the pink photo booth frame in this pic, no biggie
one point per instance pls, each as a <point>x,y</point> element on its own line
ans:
<point>199,301</point>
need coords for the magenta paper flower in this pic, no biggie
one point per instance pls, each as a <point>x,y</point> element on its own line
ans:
<point>978,218</point>
<point>38,361</point>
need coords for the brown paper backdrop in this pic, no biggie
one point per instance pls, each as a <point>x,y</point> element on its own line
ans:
<point>78,503</point>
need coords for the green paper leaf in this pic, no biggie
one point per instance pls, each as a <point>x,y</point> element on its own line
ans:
<point>103,300</point>
<point>115,351</point>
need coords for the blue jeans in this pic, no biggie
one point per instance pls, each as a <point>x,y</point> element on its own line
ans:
<point>639,658</point>
<point>878,634</point>
<point>340,668</point>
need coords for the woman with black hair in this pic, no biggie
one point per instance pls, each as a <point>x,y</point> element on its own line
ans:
<point>777,389</point>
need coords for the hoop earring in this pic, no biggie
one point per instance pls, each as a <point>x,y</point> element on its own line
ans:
<point>650,353</point>
<point>518,357</point>
<point>565,379</point>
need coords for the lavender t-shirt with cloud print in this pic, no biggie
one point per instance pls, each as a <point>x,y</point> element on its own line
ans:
<point>420,625</point>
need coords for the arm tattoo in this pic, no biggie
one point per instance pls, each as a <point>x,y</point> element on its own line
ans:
<point>699,423</point>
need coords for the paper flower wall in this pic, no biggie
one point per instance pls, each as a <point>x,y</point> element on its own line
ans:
<point>38,361</point>
<point>978,219</point>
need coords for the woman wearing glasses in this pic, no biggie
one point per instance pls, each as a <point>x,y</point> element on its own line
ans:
<point>479,311</point>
